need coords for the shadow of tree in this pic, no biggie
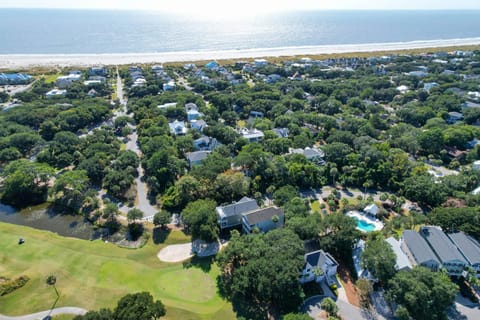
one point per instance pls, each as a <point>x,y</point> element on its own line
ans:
<point>202,263</point>
<point>160,235</point>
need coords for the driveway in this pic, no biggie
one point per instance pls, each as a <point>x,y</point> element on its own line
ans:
<point>43,314</point>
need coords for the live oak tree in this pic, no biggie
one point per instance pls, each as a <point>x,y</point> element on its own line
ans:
<point>259,273</point>
<point>69,189</point>
<point>421,292</point>
<point>200,218</point>
<point>379,258</point>
<point>25,182</point>
<point>136,306</point>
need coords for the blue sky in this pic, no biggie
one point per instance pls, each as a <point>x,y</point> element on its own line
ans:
<point>244,5</point>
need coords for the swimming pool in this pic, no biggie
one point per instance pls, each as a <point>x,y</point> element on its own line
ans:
<point>364,226</point>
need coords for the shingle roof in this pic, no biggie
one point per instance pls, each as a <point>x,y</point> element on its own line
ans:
<point>197,156</point>
<point>418,247</point>
<point>440,243</point>
<point>468,247</point>
<point>244,205</point>
<point>261,215</point>
<point>319,258</point>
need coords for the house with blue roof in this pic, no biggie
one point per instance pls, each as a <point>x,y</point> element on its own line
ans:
<point>212,65</point>
<point>14,78</point>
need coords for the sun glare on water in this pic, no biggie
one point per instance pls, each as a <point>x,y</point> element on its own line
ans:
<point>218,9</point>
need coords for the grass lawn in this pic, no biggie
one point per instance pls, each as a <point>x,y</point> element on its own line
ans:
<point>49,78</point>
<point>94,274</point>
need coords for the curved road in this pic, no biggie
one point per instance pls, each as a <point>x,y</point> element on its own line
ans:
<point>43,314</point>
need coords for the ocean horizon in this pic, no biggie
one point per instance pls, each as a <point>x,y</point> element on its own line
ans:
<point>67,32</point>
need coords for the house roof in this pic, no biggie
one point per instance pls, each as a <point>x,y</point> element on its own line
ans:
<point>281,132</point>
<point>371,208</point>
<point>402,260</point>
<point>440,243</point>
<point>264,214</point>
<point>418,247</point>
<point>244,205</point>
<point>197,156</point>
<point>319,258</point>
<point>468,246</point>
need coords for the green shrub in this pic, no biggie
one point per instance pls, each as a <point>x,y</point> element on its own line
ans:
<point>9,286</point>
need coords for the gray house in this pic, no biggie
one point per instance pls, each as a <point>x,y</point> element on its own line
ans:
<point>450,258</point>
<point>469,248</point>
<point>418,251</point>
<point>264,220</point>
<point>196,157</point>
<point>231,215</point>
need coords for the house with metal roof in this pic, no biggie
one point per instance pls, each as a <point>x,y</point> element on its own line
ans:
<point>264,219</point>
<point>450,258</point>
<point>418,251</point>
<point>312,154</point>
<point>252,135</point>
<point>318,265</point>
<point>402,262</point>
<point>469,248</point>
<point>231,215</point>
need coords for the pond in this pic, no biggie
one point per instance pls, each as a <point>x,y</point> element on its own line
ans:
<point>45,218</point>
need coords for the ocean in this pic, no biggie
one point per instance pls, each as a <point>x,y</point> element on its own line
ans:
<point>41,31</point>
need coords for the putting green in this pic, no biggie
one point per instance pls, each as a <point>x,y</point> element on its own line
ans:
<point>94,274</point>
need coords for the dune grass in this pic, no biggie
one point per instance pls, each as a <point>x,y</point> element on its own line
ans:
<point>94,274</point>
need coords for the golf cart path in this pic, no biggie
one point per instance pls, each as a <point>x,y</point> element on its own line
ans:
<point>43,314</point>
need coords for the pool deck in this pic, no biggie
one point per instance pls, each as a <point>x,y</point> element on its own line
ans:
<point>360,216</point>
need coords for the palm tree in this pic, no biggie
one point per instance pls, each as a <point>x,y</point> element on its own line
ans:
<point>333,174</point>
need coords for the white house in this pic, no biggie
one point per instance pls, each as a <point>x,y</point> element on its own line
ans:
<point>312,154</point>
<point>371,209</point>
<point>318,265</point>
<point>402,262</point>
<point>402,89</point>
<point>65,81</point>
<point>178,128</point>
<point>55,93</point>
<point>260,62</point>
<point>476,165</point>
<point>252,135</point>
<point>167,105</point>
<point>169,86</point>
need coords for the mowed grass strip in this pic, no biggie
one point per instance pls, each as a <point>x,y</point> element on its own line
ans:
<point>94,274</point>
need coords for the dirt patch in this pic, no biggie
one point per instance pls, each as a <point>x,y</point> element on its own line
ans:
<point>350,289</point>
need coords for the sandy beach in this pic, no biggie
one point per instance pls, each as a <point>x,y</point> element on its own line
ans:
<point>18,61</point>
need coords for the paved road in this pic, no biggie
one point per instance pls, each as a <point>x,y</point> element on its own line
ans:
<point>142,201</point>
<point>43,314</point>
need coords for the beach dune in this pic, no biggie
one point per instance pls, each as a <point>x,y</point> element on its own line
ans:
<point>17,61</point>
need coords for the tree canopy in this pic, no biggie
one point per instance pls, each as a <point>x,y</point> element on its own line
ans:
<point>260,272</point>
<point>423,293</point>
